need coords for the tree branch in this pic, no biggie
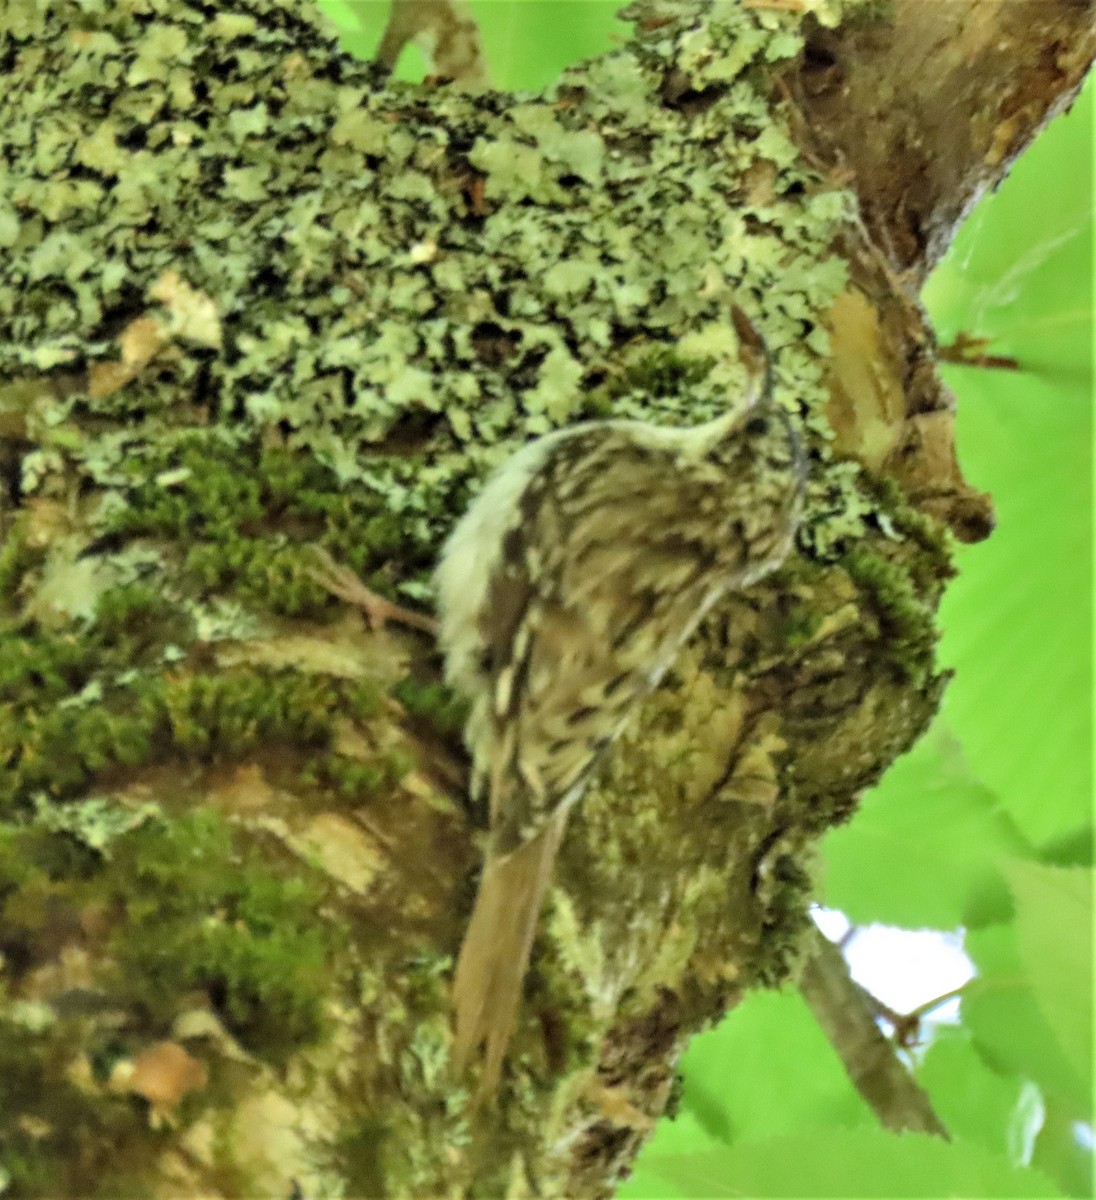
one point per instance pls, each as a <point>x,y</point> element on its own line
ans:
<point>846,1017</point>
<point>446,32</point>
<point>927,107</point>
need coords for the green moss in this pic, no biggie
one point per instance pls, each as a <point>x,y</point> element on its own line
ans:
<point>78,702</point>
<point>906,622</point>
<point>130,629</point>
<point>202,910</point>
<point>192,904</point>
<point>932,569</point>
<point>45,669</point>
<point>790,891</point>
<point>210,491</point>
<point>354,780</point>
<point>231,713</point>
<point>661,377</point>
<point>663,372</point>
<point>133,623</point>
<point>60,749</point>
<point>222,500</point>
<point>149,718</point>
<point>435,702</point>
<point>800,625</point>
<point>299,483</point>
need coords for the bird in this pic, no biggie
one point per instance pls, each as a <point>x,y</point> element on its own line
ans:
<point>565,592</point>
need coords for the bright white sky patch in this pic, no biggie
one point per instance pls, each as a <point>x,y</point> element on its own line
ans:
<point>903,968</point>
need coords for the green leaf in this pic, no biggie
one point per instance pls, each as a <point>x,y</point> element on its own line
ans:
<point>1018,620</point>
<point>838,1162</point>
<point>1054,932</point>
<point>1008,1026</point>
<point>768,1068</point>
<point>976,1103</point>
<point>1015,627</point>
<point>682,1134</point>
<point>526,44</point>
<point>923,850</point>
<point>1060,1154</point>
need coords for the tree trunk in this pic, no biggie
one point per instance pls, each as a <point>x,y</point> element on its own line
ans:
<point>253,298</point>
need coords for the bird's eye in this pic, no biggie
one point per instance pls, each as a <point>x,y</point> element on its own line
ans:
<point>757,426</point>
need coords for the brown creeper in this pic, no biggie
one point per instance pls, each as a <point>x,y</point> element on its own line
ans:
<point>565,593</point>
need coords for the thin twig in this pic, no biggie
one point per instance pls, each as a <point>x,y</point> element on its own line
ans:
<point>922,1010</point>
<point>340,581</point>
<point>968,351</point>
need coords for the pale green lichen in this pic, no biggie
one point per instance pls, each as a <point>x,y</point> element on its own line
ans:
<point>596,244</point>
<point>94,821</point>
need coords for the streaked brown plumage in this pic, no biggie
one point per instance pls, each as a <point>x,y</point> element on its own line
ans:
<point>565,593</point>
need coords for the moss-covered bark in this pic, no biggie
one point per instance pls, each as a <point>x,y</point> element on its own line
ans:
<point>251,299</point>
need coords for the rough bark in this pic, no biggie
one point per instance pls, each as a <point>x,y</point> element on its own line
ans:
<point>928,106</point>
<point>252,300</point>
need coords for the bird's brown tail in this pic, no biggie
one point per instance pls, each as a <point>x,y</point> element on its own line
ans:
<point>496,948</point>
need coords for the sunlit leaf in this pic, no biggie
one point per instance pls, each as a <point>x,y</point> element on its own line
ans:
<point>977,1103</point>
<point>923,850</point>
<point>838,1162</point>
<point>1054,932</point>
<point>1009,1028</point>
<point>768,1068</point>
